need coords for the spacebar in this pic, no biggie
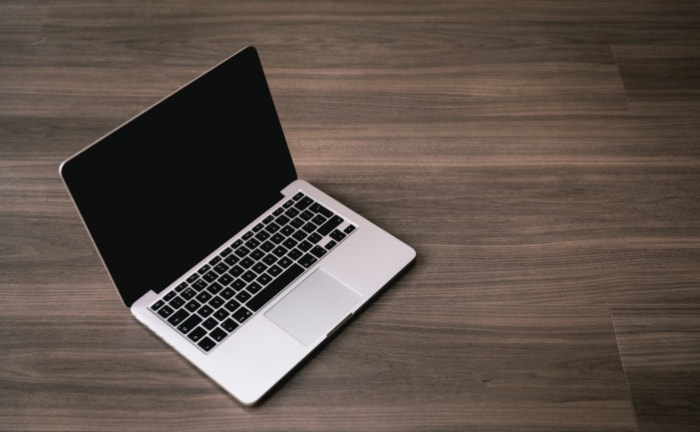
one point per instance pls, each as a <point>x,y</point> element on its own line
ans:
<point>275,287</point>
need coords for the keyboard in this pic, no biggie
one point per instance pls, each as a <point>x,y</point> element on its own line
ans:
<point>219,296</point>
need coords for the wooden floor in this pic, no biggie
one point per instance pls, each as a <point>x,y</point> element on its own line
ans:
<point>543,157</point>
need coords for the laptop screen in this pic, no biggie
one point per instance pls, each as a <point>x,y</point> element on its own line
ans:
<point>164,190</point>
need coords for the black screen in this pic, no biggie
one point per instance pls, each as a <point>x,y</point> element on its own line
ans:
<point>165,189</point>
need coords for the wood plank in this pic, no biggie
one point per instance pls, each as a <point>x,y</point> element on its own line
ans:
<point>541,156</point>
<point>660,349</point>
<point>394,368</point>
<point>662,78</point>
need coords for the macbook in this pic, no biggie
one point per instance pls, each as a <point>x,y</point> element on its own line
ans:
<point>213,242</point>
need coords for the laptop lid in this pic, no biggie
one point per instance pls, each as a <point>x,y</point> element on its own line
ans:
<point>166,188</point>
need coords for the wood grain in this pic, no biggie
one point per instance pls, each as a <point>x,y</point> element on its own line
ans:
<point>542,157</point>
<point>395,367</point>
<point>660,348</point>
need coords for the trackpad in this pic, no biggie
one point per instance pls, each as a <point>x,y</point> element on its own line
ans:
<point>314,307</point>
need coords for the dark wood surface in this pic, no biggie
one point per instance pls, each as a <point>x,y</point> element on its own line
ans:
<point>543,157</point>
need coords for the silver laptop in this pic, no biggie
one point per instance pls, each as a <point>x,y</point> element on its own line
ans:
<point>211,240</point>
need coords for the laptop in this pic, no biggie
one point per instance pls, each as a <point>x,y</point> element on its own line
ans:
<point>213,242</point>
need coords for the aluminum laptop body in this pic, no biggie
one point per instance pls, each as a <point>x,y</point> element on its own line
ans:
<point>183,203</point>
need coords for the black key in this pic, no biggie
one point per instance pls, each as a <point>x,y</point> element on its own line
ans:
<point>226,252</point>
<point>248,276</point>
<point>330,225</point>
<point>268,219</point>
<point>282,220</point>
<point>205,311</point>
<point>296,223</point>
<point>289,243</point>
<point>264,279</point>
<point>331,244</point>
<point>294,254</point>
<point>165,311</point>
<point>275,287</point>
<point>188,293</point>
<point>248,235</point>
<point>178,317</point>
<point>206,344</point>
<point>318,219</point>
<point>169,295</point>
<point>298,196</point>
<point>221,314</point>
<point>181,287</point>
<point>193,277</point>
<point>303,203</point>
<point>279,251</point>
<point>205,268</point>
<point>254,287</point>
<point>292,213</point>
<point>262,235</point>
<point>210,276</point>
<point>274,270</point>
<point>270,259</point>
<point>176,302</point>
<point>237,244</point>
<point>203,297</point>
<point>216,287</point>
<point>259,267</point>
<point>214,261</point>
<point>157,305</point>
<point>278,211</point>
<point>192,306</point>
<point>242,251</point>
<point>304,246</point>
<point>349,229</point>
<point>221,268</point>
<point>227,293</point>
<point>272,228</point>
<point>232,305</point>
<point>199,285</point>
<point>247,262</point>
<point>242,314</point>
<point>288,204</point>
<point>284,262</point>
<point>318,208</point>
<point>299,235</point>
<point>216,302</point>
<point>314,238</point>
<point>190,323</point>
<point>238,284</point>
<point>210,323</point>
<point>257,254</point>
<point>197,334</point>
<point>218,335</point>
<point>318,251</point>
<point>307,260</point>
<point>267,246</point>
<point>258,227</point>
<point>309,227</point>
<point>229,325</point>
<point>220,283</point>
<point>277,238</point>
<point>306,215</point>
<point>243,296</point>
<point>252,244</point>
<point>231,260</point>
<point>337,235</point>
<point>287,231</point>
<point>235,271</point>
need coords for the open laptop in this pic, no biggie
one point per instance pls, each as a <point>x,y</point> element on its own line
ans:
<point>211,240</point>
